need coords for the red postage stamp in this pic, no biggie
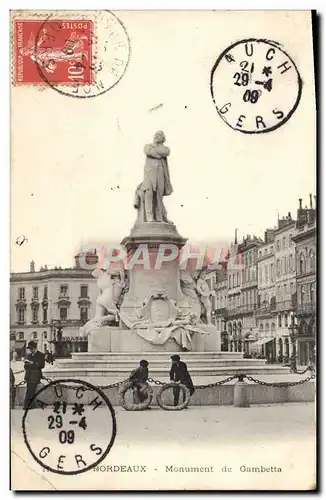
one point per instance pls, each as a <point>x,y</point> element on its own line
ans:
<point>54,51</point>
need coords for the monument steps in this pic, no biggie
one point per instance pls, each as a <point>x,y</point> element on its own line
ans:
<point>155,363</point>
<point>186,356</point>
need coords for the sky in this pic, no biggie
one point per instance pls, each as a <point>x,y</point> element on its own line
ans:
<point>75,163</point>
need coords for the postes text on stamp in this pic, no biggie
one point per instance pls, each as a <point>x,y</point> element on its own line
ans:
<point>73,428</point>
<point>255,86</point>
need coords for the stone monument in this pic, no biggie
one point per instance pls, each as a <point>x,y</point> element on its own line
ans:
<point>159,307</point>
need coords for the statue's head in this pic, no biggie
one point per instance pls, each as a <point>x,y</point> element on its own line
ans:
<point>159,137</point>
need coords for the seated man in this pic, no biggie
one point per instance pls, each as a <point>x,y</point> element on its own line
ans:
<point>138,377</point>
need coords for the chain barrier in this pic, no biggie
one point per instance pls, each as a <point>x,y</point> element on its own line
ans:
<point>280,384</point>
<point>216,384</point>
<point>309,368</point>
<point>203,386</point>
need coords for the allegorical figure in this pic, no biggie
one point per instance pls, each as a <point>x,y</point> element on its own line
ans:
<point>156,183</point>
<point>205,295</point>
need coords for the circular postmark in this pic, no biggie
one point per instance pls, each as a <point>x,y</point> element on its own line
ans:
<point>255,86</point>
<point>74,428</point>
<point>82,55</point>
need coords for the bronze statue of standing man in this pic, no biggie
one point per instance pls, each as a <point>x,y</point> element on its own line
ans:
<point>156,183</point>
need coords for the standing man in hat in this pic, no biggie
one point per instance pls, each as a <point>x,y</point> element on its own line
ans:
<point>33,365</point>
<point>138,377</point>
<point>179,374</point>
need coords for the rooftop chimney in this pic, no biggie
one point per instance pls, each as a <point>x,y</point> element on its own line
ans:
<point>32,267</point>
<point>289,215</point>
<point>236,236</point>
<point>300,203</point>
<point>310,196</point>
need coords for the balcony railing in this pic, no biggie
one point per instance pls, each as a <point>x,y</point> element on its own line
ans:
<point>247,308</point>
<point>284,305</point>
<point>221,311</point>
<point>306,308</point>
<point>66,322</point>
<point>64,295</point>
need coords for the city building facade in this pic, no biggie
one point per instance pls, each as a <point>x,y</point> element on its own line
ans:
<point>43,301</point>
<point>265,302</point>
<point>305,261</point>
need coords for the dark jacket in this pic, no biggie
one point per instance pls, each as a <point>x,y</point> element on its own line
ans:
<point>140,374</point>
<point>33,372</point>
<point>12,378</point>
<point>179,373</point>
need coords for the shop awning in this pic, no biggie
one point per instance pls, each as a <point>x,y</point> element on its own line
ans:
<point>261,342</point>
<point>19,344</point>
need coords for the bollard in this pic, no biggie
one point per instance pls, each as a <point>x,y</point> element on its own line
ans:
<point>241,395</point>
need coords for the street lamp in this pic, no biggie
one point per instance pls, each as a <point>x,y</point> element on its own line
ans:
<point>293,332</point>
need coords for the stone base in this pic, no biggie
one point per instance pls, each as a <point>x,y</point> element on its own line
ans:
<point>115,339</point>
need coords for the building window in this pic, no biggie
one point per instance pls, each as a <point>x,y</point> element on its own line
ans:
<point>21,315</point>
<point>278,267</point>
<point>229,281</point>
<point>312,292</point>
<point>63,313</point>
<point>234,280</point>
<point>21,293</point>
<point>64,290</point>
<point>290,264</point>
<point>238,279</point>
<point>302,294</point>
<point>272,272</point>
<point>35,314</point>
<point>290,240</point>
<point>302,264</point>
<point>260,253</point>
<point>284,242</point>
<point>84,291</point>
<point>45,315</point>
<point>45,347</point>
<point>45,335</point>
<point>21,336</point>
<point>279,321</point>
<point>278,248</point>
<point>45,294</point>
<point>84,314</point>
<point>35,292</point>
<point>260,275</point>
<point>312,261</point>
<point>34,335</point>
<point>284,265</point>
<point>285,320</point>
<point>266,274</point>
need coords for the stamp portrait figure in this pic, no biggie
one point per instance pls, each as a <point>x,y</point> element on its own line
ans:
<point>156,182</point>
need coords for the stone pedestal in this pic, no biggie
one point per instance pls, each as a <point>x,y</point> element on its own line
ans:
<point>145,245</point>
<point>154,297</point>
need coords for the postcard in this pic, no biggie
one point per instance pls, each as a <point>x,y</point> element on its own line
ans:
<point>163,250</point>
